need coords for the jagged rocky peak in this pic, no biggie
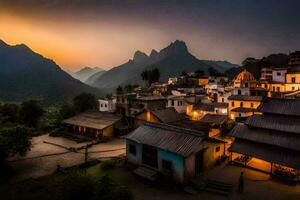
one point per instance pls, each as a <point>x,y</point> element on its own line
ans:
<point>175,48</point>
<point>2,43</point>
<point>139,56</point>
<point>153,53</point>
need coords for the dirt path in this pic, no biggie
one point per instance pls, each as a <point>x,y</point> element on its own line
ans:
<point>43,158</point>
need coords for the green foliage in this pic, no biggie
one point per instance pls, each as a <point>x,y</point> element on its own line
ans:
<point>30,113</point>
<point>14,141</point>
<point>66,111</point>
<point>109,164</point>
<point>150,76</point>
<point>76,184</point>
<point>213,72</point>
<point>9,113</point>
<point>84,102</point>
<point>119,90</point>
<point>226,127</point>
<point>106,189</point>
<point>199,73</point>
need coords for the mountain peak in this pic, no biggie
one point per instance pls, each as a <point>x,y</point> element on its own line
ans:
<point>178,45</point>
<point>139,56</point>
<point>153,53</point>
<point>3,44</point>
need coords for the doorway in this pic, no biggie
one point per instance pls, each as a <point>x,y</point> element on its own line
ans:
<point>199,162</point>
<point>149,156</point>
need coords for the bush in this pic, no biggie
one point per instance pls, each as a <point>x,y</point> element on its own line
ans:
<point>110,164</point>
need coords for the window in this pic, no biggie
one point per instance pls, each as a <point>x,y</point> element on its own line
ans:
<point>246,84</point>
<point>218,149</point>
<point>223,100</point>
<point>232,104</point>
<point>178,103</point>
<point>278,89</point>
<point>251,105</point>
<point>101,105</point>
<point>293,79</point>
<point>293,88</point>
<point>273,88</point>
<point>278,74</point>
<point>132,149</point>
<point>241,104</point>
<point>167,165</point>
<point>105,105</point>
<point>239,92</point>
<point>172,102</point>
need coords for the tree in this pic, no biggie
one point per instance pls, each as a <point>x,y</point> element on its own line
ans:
<point>30,113</point>
<point>84,102</point>
<point>150,76</point>
<point>14,141</point>
<point>213,72</point>
<point>9,112</point>
<point>199,72</point>
<point>119,90</point>
<point>66,111</point>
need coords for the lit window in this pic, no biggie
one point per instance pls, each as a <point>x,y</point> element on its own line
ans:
<point>293,80</point>
<point>232,104</point>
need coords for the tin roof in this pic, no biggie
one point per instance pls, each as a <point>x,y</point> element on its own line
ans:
<point>174,139</point>
<point>245,98</point>
<point>271,137</point>
<point>95,120</point>
<point>275,122</point>
<point>280,106</point>
<point>214,119</point>
<point>168,115</point>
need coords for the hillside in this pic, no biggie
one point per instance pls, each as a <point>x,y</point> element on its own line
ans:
<point>171,61</point>
<point>25,74</point>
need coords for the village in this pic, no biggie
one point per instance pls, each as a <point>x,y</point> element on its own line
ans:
<point>200,132</point>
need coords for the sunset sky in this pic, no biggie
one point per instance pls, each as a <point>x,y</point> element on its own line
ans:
<point>77,33</point>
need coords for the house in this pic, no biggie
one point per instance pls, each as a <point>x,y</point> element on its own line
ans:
<point>270,142</point>
<point>107,104</point>
<point>200,109</point>
<point>215,123</point>
<point>163,115</point>
<point>172,151</point>
<point>245,80</point>
<point>242,106</point>
<point>178,103</point>
<point>93,124</point>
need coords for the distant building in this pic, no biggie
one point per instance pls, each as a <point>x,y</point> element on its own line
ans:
<point>172,151</point>
<point>197,111</point>
<point>294,59</point>
<point>245,80</point>
<point>266,74</point>
<point>178,102</point>
<point>242,106</point>
<point>107,104</point>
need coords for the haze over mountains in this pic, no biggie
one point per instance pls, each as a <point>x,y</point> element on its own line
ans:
<point>171,61</point>
<point>25,74</point>
<point>85,73</point>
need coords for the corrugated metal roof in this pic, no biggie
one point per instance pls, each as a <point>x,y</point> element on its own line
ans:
<point>214,119</point>
<point>267,152</point>
<point>277,138</point>
<point>170,138</point>
<point>280,106</point>
<point>95,120</point>
<point>243,109</point>
<point>209,106</point>
<point>245,98</point>
<point>275,122</point>
<point>168,115</point>
<point>192,124</point>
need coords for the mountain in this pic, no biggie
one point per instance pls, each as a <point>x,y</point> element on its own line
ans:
<point>171,61</point>
<point>91,80</point>
<point>86,72</point>
<point>25,74</point>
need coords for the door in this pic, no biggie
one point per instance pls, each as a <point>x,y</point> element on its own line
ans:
<point>199,162</point>
<point>149,156</point>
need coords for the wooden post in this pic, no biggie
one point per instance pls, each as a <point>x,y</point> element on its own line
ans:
<point>271,168</point>
<point>86,154</point>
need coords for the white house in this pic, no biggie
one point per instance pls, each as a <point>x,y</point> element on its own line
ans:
<point>278,75</point>
<point>177,102</point>
<point>107,105</point>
